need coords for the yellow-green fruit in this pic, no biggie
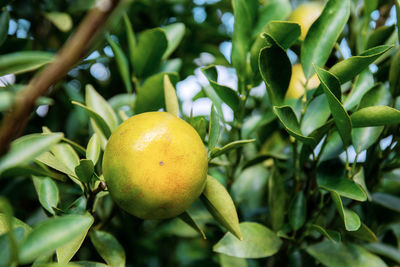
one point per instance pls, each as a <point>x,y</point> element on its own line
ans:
<point>305,15</point>
<point>155,165</point>
<point>297,82</point>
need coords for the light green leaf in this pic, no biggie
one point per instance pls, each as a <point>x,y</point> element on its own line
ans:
<point>66,154</point>
<point>108,247</point>
<point>394,74</point>
<point>219,203</point>
<point>15,222</point>
<point>375,116</point>
<point>380,35</point>
<point>174,33</point>
<point>214,129</point>
<point>85,170</point>
<point>228,261</point>
<point>323,35</point>
<point>351,220</point>
<point>50,160</point>
<point>271,11</point>
<point>216,151</point>
<point>61,20</point>
<point>4,24</point>
<point>23,61</point>
<point>130,35</point>
<point>317,113</point>
<point>297,211</point>
<point>363,83</point>
<point>386,200</point>
<point>359,179</point>
<point>171,100</point>
<point>385,250</point>
<point>26,148</point>
<point>258,242</point>
<point>93,148</point>
<point>333,236</point>
<point>185,217</point>
<point>277,198</point>
<point>364,233</point>
<point>47,192</point>
<point>51,234</point>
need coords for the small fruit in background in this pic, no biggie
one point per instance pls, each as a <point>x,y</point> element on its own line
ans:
<point>298,82</point>
<point>305,15</point>
<point>155,165</point>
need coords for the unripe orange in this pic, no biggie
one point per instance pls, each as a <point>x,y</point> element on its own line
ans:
<point>305,15</point>
<point>298,82</point>
<point>155,165</point>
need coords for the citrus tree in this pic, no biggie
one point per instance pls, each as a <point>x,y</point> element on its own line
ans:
<point>107,160</point>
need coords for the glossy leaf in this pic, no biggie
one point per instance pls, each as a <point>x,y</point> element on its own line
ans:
<point>363,83</point>
<point>149,51</point>
<point>258,242</point>
<point>323,35</point>
<point>26,148</point>
<point>66,154</point>
<point>150,95</point>
<point>216,151</point>
<point>288,118</point>
<point>297,211</point>
<point>13,235</point>
<point>276,70</point>
<point>51,234</point>
<point>365,137</point>
<point>4,24</point>
<point>285,33</point>
<point>229,96</point>
<point>348,69</point>
<point>316,114</point>
<point>351,220</point>
<point>333,236</point>
<point>343,254</point>
<point>93,149</point>
<point>130,36</point>
<point>185,217</point>
<point>220,205</point>
<point>271,11</point>
<point>277,198</point>
<point>50,160</point>
<point>47,192</point>
<point>171,100</point>
<point>394,74</point>
<point>359,179</point>
<point>174,33</point>
<point>386,200</point>
<point>122,63</point>
<point>380,35</point>
<point>108,247</point>
<point>364,233</point>
<point>331,87</point>
<point>23,61</point>
<point>85,170</point>
<point>375,116</point>
<point>214,129</point>
<point>61,20</point>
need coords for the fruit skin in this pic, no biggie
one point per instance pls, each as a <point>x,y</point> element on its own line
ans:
<point>297,81</point>
<point>155,165</point>
<point>305,15</point>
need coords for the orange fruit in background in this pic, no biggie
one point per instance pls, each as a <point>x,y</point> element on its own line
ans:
<point>305,15</point>
<point>155,165</point>
<point>297,82</point>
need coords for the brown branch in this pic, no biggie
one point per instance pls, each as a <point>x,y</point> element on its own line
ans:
<point>74,49</point>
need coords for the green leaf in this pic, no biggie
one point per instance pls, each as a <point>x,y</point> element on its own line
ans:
<point>258,242</point>
<point>385,250</point>
<point>4,24</point>
<point>316,114</point>
<point>9,246</point>
<point>122,63</point>
<point>277,198</point>
<point>214,129</point>
<point>130,35</point>
<point>228,261</point>
<point>288,118</point>
<point>108,247</point>
<point>333,236</point>
<point>323,35</point>
<point>97,119</point>
<point>219,203</point>
<point>185,217</point>
<point>23,61</point>
<point>363,83</point>
<point>61,20</point>
<point>297,211</point>
<point>276,70</point>
<point>174,33</point>
<point>85,170</point>
<point>150,95</point>
<point>359,179</point>
<point>171,100</point>
<point>26,148</point>
<point>348,69</point>
<point>397,3</point>
<point>216,151</point>
<point>365,137</point>
<point>351,220</point>
<point>229,96</point>
<point>13,236</point>
<point>364,233</point>
<point>47,192</point>
<point>386,200</point>
<point>149,51</point>
<point>331,87</point>
<point>93,149</point>
<point>380,35</point>
<point>284,33</point>
<point>96,102</point>
<point>15,222</point>
<point>271,11</point>
<point>394,74</point>
<point>51,234</point>
<point>89,264</point>
<point>342,254</point>
<point>375,116</point>
<point>50,160</point>
<point>66,154</point>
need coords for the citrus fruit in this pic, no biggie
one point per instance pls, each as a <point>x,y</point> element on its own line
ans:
<point>297,82</point>
<point>155,165</point>
<point>305,15</point>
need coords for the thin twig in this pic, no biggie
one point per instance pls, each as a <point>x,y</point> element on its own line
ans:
<point>75,48</point>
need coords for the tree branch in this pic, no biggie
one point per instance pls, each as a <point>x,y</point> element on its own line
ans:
<point>74,49</point>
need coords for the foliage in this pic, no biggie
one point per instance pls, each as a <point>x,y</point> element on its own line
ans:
<point>292,182</point>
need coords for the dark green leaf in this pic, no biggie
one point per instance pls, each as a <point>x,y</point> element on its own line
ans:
<point>258,242</point>
<point>359,179</point>
<point>323,35</point>
<point>93,149</point>
<point>386,200</point>
<point>47,236</point>
<point>365,137</point>
<point>214,129</point>
<point>394,74</point>
<point>277,199</point>
<point>385,250</point>
<point>297,211</point>
<point>287,117</point>
<point>122,63</point>
<point>4,23</point>
<point>130,35</point>
<point>27,148</point>
<point>216,151</point>
<point>380,35</point>
<point>330,234</point>
<point>174,33</point>
<point>47,192</point>
<point>85,170</point>
<point>364,233</point>
<point>272,10</point>
<point>108,247</point>
<point>397,3</point>
<point>171,100</point>
<point>351,220</point>
<point>220,204</point>
<point>375,116</point>
<point>284,33</point>
<point>23,61</point>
